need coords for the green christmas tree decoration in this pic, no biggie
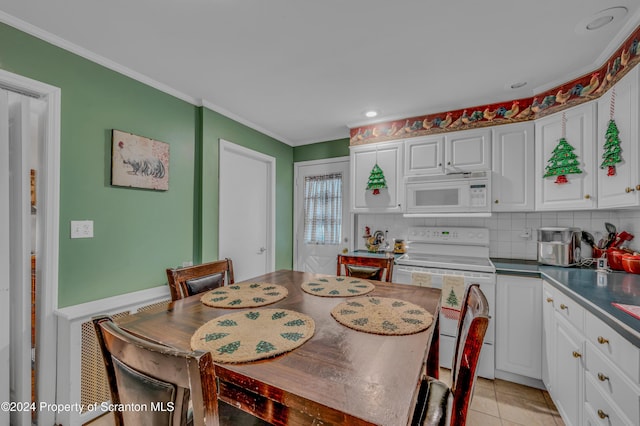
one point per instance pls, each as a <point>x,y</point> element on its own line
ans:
<point>563,162</point>
<point>611,155</point>
<point>377,180</point>
<point>452,299</point>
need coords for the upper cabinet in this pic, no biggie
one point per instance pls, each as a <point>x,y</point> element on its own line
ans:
<point>570,191</point>
<point>468,151</point>
<point>465,151</point>
<point>512,181</point>
<point>389,158</point>
<point>619,186</point>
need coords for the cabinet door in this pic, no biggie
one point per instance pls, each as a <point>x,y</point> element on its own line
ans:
<point>519,325</point>
<point>567,384</point>
<point>424,156</point>
<point>468,151</point>
<point>512,181</point>
<point>578,192</point>
<point>388,156</point>
<point>622,188</point>
<point>548,335</point>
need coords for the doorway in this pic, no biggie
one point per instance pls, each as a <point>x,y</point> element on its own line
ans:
<point>247,210</point>
<point>29,226</point>
<point>322,221</point>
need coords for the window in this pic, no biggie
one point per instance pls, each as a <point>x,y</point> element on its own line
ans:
<point>323,209</point>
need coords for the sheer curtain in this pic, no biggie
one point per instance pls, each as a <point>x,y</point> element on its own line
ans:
<point>323,209</point>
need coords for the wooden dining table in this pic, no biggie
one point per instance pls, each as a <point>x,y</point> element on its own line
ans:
<point>339,376</point>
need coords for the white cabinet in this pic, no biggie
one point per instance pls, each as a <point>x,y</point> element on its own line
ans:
<point>548,334</point>
<point>468,150</point>
<point>424,156</point>
<point>519,326</point>
<point>623,188</point>
<point>389,158</point>
<point>579,191</point>
<point>512,183</point>
<point>454,152</point>
<point>567,383</point>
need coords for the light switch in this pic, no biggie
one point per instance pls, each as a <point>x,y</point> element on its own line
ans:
<point>81,229</point>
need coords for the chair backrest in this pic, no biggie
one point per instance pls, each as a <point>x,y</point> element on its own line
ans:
<point>373,268</point>
<point>472,327</point>
<point>160,378</point>
<point>190,280</point>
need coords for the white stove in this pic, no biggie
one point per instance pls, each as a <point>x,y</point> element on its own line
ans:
<point>436,252</point>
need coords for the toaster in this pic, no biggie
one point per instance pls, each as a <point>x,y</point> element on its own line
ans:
<point>559,246</point>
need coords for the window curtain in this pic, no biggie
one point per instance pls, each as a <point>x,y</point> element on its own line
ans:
<point>323,209</point>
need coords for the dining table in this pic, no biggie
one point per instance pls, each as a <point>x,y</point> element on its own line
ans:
<point>340,376</point>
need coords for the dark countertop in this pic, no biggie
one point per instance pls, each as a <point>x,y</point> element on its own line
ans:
<point>595,291</point>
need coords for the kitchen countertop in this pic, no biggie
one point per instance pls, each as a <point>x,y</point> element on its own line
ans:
<point>594,290</point>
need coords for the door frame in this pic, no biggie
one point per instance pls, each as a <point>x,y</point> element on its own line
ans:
<point>297,201</point>
<point>230,147</point>
<point>48,195</point>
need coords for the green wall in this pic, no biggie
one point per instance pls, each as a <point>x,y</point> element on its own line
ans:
<point>321,150</point>
<point>137,233</point>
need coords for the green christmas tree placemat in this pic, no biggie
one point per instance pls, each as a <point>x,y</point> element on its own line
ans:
<point>382,315</point>
<point>337,287</point>
<point>251,335</point>
<point>244,295</point>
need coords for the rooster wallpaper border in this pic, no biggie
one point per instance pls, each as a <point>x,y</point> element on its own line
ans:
<point>572,93</point>
<point>139,162</point>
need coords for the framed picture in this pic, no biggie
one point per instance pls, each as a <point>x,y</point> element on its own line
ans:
<point>139,162</point>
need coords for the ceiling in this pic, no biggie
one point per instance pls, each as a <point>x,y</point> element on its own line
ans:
<point>305,71</point>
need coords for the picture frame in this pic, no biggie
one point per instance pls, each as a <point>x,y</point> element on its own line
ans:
<point>139,162</point>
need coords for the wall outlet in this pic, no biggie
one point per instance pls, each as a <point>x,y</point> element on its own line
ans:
<point>526,234</point>
<point>81,229</point>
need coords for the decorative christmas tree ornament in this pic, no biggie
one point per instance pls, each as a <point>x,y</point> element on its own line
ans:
<point>377,180</point>
<point>611,155</point>
<point>563,160</point>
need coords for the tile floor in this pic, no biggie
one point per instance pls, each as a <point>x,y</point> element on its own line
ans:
<point>494,403</point>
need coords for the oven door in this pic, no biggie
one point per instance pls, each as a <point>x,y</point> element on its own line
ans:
<point>433,277</point>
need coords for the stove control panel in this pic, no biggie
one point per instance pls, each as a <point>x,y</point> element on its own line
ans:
<point>449,235</point>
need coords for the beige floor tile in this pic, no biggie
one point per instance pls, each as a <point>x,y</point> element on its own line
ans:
<point>516,409</point>
<point>104,420</point>
<point>558,419</point>
<point>476,418</point>
<point>516,389</point>
<point>484,400</point>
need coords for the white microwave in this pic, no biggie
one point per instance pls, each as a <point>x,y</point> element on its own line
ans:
<point>465,194</point>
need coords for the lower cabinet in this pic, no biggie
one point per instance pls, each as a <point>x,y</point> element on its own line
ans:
<point>519,329</point>
<point>591,372</point>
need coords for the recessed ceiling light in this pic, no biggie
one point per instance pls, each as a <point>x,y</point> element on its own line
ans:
<point>518,85</point>
<point>371,114</point>
<point>600,19</point>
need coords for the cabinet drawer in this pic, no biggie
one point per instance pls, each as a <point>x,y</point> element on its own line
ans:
<point>601,407</point>
<point>618,349</point>
<point>569,309</point>
<point>610,381</point>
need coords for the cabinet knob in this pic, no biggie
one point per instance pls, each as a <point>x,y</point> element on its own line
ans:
<point>602,340</point>
<point>602,377</point>
<point>628,189</point>
<point>563,306</point>
<point>587,197</point>
<point>602,414</point>
<point>496,201</point>
<point>449,163</point>
<point>549,299</point>
<point>637,187</point>
<point>440,165</point>
<point>576,354</point>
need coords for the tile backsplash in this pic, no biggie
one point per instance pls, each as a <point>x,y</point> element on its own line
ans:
<point>508,231</point>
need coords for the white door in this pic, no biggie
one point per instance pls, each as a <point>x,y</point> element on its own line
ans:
<point>247,210</point>
<point>322,210</point>
<point>4,255</point>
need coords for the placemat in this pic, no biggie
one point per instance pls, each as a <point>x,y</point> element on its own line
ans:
<point>252,335</point>
<point>382,315</point>
<point>633,310</point>
<point>337,287</point>
<point>244,295</point>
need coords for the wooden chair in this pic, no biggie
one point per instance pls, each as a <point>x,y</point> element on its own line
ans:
<point>437,403</point>
<point>190,280</point>
<point>141,372</point>
<point>373,268</point>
